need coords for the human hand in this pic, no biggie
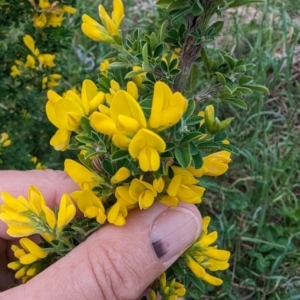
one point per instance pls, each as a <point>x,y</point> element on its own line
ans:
<point>114,262</point>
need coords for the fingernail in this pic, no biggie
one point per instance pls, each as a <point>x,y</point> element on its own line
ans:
<point>173,231</point>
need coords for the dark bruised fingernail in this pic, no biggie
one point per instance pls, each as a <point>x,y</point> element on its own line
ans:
<point>173,231</point>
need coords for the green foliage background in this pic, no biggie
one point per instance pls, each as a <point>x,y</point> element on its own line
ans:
<point>256,206</point>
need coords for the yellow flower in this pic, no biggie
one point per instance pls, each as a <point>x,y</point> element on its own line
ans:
<point>46,60</point>
<point>39,21</point>
<point>142,192</point>
<point>170,290</point>
<point>28,255</point>
<point>90,205</point>
<point>167,108</point>
<point>15,71</point>
<point>104,66</point>
<point>69,9</point>
<point>66,212</point>
<point>182,188</point>
<point>44,4</point>
<point>4,140</point>
<point>138,79</point>
<point>121,175</point>
<point>159,184</point>
<point>124,198</point>
<point>50,81</point>
<point>85,178</point>
<point>30,62</point>
<point>55,19</point>
<point>215,164</point>
<point>111,25</point>
<point>146,146</point>
<point>66,113</point>
<point>202,255</point>
<point>116,214</point>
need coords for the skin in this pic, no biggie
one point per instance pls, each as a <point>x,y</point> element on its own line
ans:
<point>105,266</point>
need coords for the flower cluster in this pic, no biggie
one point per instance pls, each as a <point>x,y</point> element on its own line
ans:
<point>140,141</point>
<point>49,14</point>
<point>202,256</point>
<point>4,140</point>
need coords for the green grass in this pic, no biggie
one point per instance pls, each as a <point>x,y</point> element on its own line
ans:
<point>257,204</point>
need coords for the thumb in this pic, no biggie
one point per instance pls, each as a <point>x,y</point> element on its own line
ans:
<point>118,262</point>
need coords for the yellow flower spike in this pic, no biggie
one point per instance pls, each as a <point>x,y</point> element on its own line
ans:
<point>66,211</point>
<point>158,184</point>
<point>30,44</point>
<point>61,139</point>
<point>116,214</point>
<point>195,267</point>
<point>146,146</point>
<point>121,175</point>
<point>142,192</point>
<point>118,13</point>
<point>39,21</point>
<point>103,123</point>
<point>124,104</point>
<point>90,96</point>
<point>209,116</point>
<point>167,108</point>
<point>95,31</point>
<point>85,178</point>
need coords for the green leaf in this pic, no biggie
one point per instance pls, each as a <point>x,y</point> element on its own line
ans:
<point>163,3</point>
<point>193,149</point>
<point>193,120</point>
<point>230,61</point>
<point>209,145</point>
<point>107,167</point>
<point>158,50</point>
<point>221,78</point>
<point>164,66</point>
<point>205,58</point>
<point>198,283</point>
<point>221,136</point>
<point>257,87</point>
<point>240,69</point>
<point>134,73</point>
<point>190,109</point>
<point>119,154</point>
<point>197,160</point>
<point>162,30</point>
<point>197,8</point>
<point>145,56</point>
<point>218,26</point>
<point>183,157</point>
<point>85,125</point>
<point>192,136</point>
<point>119,65</point>
<point>174,72</point>
<point>237,102</point>
<point>84,139</point>
<point>173,64</point>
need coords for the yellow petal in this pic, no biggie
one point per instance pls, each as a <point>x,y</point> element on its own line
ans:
<point>33,248</point>
<point>159,184</point>
<point>149,159</point>
<point>103,123</point>
<point>174,185</point>
<point>168,200</point>
<point>132,89</point>
<point>121,141</point>
<point>66,211</point>
<point>121,175</point>
<point>88,92</point>
<point>61,139</point>
<point>118,12</point>
<point>195,267</point>
<point>124,104</point>
<point>217,254</point>
<point>209,239</point>
<point>212,280</point>
<point>127,125</point>
<point>96,34</point>
<point>50,216</point>
<point>145,138</point>
<point>146,199</point>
